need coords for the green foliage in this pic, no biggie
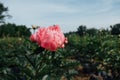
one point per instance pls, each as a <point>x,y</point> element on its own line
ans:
<point>30,62</point>
<point>12,30</point>
<point>101,48</point>
<point>11,51</point>
<point>22,59</point>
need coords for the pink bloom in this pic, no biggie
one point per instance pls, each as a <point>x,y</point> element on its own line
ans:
<point>49,38</point>
<point>33,37</point>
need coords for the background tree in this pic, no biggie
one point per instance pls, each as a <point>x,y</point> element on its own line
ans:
<point>81,30</point>
<point>115,29</point>
<point>13,30</point>
<point>3,9</point>
<point>92,31</point>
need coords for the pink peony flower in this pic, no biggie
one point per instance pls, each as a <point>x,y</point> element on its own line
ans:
<point>49,38</point>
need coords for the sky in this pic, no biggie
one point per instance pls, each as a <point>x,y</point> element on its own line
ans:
<point>68,14</point>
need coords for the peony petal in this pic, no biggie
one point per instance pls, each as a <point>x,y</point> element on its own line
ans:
<point>33,37</point>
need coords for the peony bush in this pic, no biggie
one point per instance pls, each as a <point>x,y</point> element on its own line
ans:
<point>52,60</point>
<point>43,56</point>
